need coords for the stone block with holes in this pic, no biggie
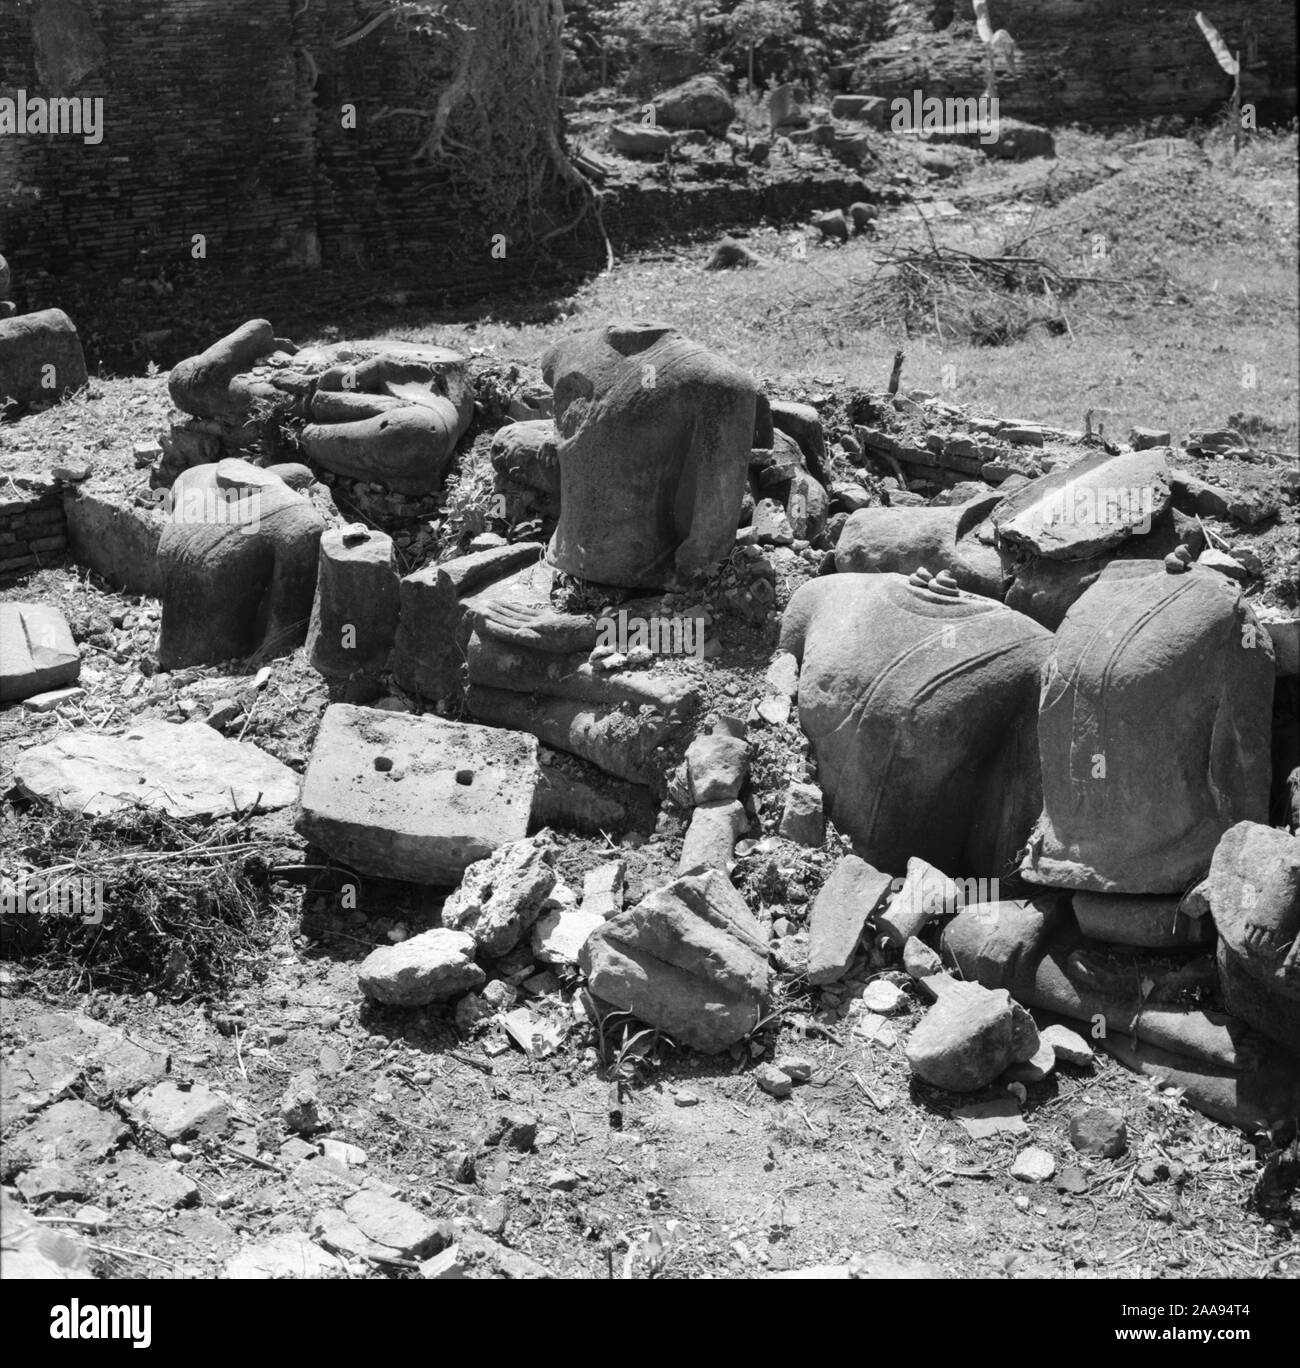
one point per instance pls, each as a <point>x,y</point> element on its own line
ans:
<point>398,796</point>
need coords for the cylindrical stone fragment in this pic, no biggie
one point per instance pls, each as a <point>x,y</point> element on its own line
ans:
<point>354,617</point>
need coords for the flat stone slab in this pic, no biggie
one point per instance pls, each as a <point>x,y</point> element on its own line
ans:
<point>71,1132</point>
<point>185,769</point>
<point>1078,512</point>
<point>37,652</point>
<point>291,1255</point>
<point>415,798</point>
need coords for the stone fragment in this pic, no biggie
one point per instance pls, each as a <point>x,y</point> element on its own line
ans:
<point>1080,511</point>
<point>1213,559</point>
<point>515,1129</point>
<point>430,967</point>
<point>925,895</point>
<point>288,1255</point>
<point>957,538</point>
<point>146,1180</point>
<point>558,935</point>
<point>883,997</point>
<point>717,766</point>
<point>690,958</point>
<point>416,798</point>
<point>773,1080</point>
<point>700,102</point>
<point>640,140</point>
<point>1068,1046</point>
<point>184,770</point>
<point>966,1039</point>
<point>178,1112</point>
<point>840,912</point>
<point>802,820</point>
<point>771,525</point>
<point>1154,922</point>
<point>1033,1165</point>
<point>301,1108</point>
<point>37,652</point>
<point>1100,1131</point>
<point>53,700</point>
<point>397,1226</point>
<point>40,359</point>
<point>795,1067</point>
<point>1037,1067</point>
<point>340,1152</point>
<point>602,888</point>
<point>354,615</point>
<point>1253,890</point>
<point>710,840</point>
<point>500,897</point>
<point>919,960</point>
<point>1144,438</point>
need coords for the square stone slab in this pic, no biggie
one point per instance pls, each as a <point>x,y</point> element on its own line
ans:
<point>37,652</point>
<point>415,798</point>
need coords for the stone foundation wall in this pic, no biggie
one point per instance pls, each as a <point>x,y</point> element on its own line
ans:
<point>33,528</point>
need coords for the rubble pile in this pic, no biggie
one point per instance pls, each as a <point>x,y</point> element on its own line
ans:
<point>1011,758</point>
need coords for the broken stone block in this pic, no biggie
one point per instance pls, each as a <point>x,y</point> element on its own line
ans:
<point>773,1081</point>
<point>500,897</point>
<point>237,558</point>
<point>771,525</point>
<point>301,1108</point>
<point>401,1229</point>
<point>52,701</point>
<point>70,1133</point>
<point>354,615</point>
<point>921,703</point>
<point>967,1038</point>
<point>925,895</point>
<point>690,959</point>
<point>802,820</point>
<point>37,652</point>
<point>699,102</point>
<point>40,360</point>
<point>919,960</point>
<point>177,1112</point>
<point>958,539</point>
<point>640,140</point>
<point>430,967</point>
<point>602,888</point>
<point>717,766</point>
<point>840,913</point>
<point>415,798</point>
<point>1154,922</point>
<point>1082,510</point>
<point>1253,890</point>
<point>710,840</point>
<point>559,934</point>
<point>290,1255</point>
<point>1144,438</point>
<point>1033,1165</point>
<point>434,621</point>
<point>1153,731</point>
<point>1100,1131</point>
<point>146,1180</point>
<point>1068,1046</point>
<point>183,769</point>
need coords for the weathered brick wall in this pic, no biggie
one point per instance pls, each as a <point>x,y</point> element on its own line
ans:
<point>33,528</point>
<point>225,118</point>
<point>1092,61</point>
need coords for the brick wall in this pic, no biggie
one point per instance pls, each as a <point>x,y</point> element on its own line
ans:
<point>33,528</point>
<point>224,118</point>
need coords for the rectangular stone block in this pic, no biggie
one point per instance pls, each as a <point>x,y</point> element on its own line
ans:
<point>37,652</point>
<point>398,796</point>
